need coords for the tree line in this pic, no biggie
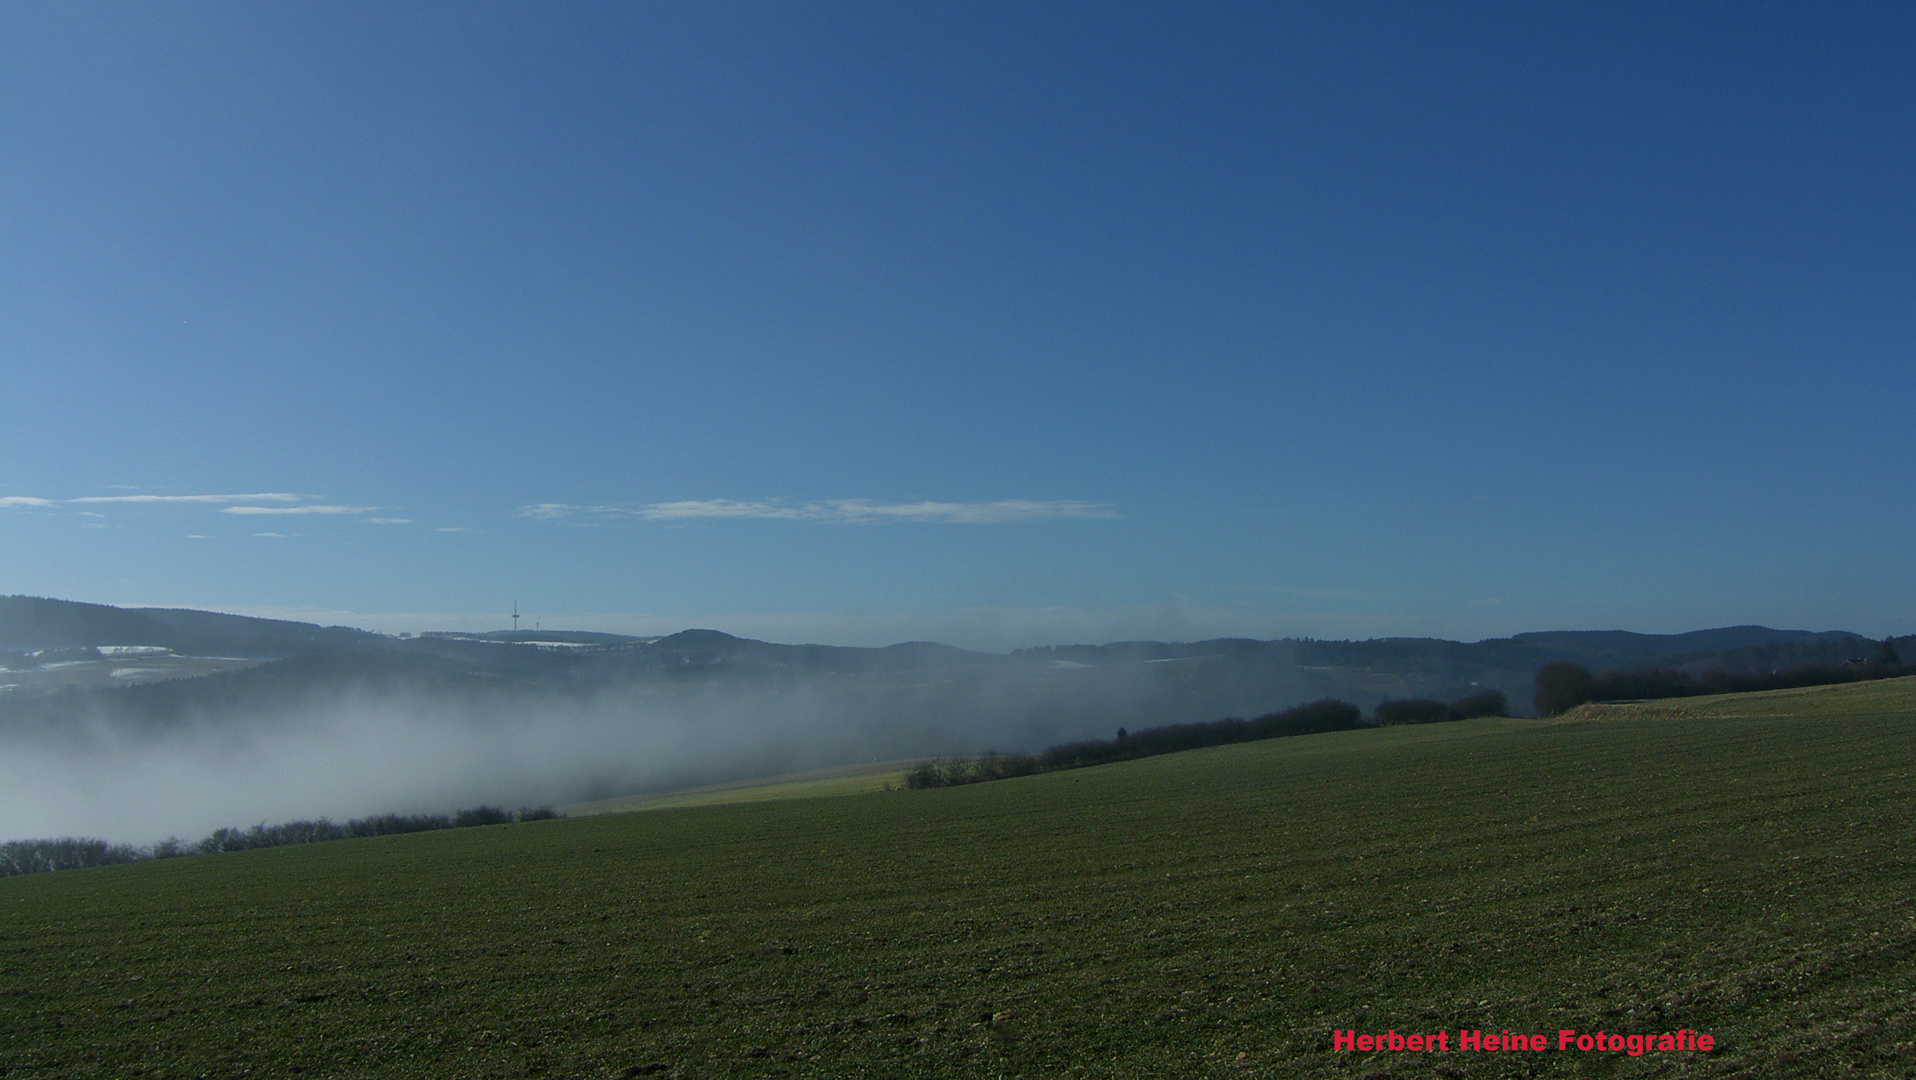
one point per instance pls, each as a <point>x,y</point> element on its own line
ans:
<point>73,853</point>
<point>1329,714</point>
<point>1563,686</point>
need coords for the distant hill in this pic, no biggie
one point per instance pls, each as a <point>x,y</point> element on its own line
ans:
<point>953,698</point>
<point>33,622</point>
<point>1618,648</point>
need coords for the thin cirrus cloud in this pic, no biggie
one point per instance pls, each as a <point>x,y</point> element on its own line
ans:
<point>308,508</point>
<point>248,504</point>
<point>256,497</point>
<point>834,511</point>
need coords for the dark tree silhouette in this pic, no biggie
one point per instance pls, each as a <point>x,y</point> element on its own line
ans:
<point>1561,686</point>
<point>1411,711</point>
<point>1326,715</point>
<point>1488,703</point>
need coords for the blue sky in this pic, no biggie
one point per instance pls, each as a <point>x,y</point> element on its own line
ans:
<point>1002,325</point>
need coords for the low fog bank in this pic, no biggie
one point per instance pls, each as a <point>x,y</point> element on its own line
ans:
<point>364,725</point>
<point>366,751</point>
<point>365,754</point>
<point>353,737</point>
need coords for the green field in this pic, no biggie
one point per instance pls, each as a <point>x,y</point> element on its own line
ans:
<point>1740,866</point>
<point>862,779</point>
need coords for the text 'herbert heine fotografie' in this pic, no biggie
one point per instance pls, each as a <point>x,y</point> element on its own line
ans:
<point>1611,1042</point>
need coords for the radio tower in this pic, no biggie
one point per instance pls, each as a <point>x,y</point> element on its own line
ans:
<point>515,616</point>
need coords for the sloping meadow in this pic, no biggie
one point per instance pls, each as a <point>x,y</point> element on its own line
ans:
<point>1737,870</point>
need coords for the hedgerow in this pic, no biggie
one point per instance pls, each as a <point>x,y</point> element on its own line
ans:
<point>77,852</point>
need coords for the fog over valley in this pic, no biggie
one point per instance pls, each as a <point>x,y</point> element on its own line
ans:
<point>229,721</point>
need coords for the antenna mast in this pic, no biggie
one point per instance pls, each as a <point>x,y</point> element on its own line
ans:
<point>515,616</point>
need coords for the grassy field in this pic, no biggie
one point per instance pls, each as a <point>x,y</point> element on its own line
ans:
<point>1740,866</point>
<point>862,779</point>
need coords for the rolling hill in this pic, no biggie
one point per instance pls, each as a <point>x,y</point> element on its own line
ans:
<point>1737,866</point>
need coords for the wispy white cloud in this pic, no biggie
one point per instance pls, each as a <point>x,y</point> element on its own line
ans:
<point>455,529</point>
<point>197,536</point>
<point>275,536</point>
<point>260,496</point>
<point>839,511</point>
<point>22,502</point>
<point>250,504</point>
<point>387,521</point>
<point>308,508</point>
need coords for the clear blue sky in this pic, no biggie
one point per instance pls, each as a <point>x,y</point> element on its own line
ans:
<point>1002,325</point>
